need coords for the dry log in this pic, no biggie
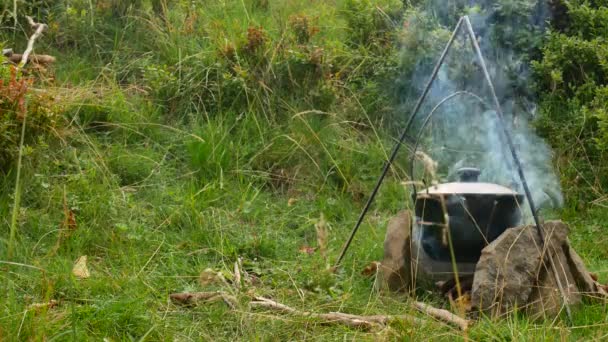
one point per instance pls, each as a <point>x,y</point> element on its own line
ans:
<point>22,59</point>
<point>442,315</point>
<point>35,59</point>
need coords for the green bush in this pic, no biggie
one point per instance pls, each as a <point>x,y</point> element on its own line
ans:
<point>572,76</point>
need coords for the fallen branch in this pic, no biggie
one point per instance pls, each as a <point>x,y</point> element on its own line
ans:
<point>386,319</point>
<point>442,315</point>
<point>39,27</point>
<point>271,304</point>
<point>37,59</point>
<point>354,321</point>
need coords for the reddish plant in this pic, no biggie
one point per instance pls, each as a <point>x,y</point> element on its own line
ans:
<point>12,93</point>
<point>256,38</point>
<point>300,24</point>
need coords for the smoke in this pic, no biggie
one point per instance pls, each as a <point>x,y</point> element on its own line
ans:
<point>465,130</point>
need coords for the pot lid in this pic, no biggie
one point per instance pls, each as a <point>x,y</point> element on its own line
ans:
<point>473,188</point>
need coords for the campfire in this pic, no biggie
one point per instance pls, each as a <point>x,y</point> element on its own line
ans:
<point>466,240</point>
<point>471,238</point>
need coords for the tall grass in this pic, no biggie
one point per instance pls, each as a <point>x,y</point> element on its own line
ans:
<point>200,133</point>
<point>17,191</point>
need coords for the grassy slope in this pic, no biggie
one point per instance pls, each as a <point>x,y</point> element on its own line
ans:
<point>150,220</point>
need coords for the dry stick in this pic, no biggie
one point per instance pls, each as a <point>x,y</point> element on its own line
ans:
<point>443,315</point>
<point>30,43</point>
<point>355,321</point>
<point>14,14</point>
<point>269,303</point>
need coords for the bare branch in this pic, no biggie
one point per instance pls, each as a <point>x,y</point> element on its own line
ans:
<point>39,27</point>
<point>442,315</point>
<point>354,321</point>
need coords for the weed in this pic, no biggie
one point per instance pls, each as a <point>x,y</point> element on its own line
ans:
<point>256,40</point>
<point>302,29</point>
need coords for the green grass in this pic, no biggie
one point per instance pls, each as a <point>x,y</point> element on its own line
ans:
<point>173,160</point>
<point>154,236</point>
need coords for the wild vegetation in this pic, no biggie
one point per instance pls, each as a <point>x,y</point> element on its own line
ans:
<point>171,137</point>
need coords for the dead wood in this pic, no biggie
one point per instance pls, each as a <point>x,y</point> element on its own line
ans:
<point>351,321</point>
<point>39,27</point>
<point>386,319</point>
<point>36,59</point>
<point>354,321</point>
<point>442,315</point>
<point>22,59</point>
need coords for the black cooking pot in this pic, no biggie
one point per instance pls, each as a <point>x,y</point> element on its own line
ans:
<point>477,213</point>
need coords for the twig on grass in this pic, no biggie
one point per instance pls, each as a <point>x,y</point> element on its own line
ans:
<point>442,315</point>
<point>354,321</point>
<point>372,322</point>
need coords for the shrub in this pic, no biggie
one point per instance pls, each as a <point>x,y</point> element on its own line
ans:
<point>372,22</point>
<point>572,76</point>
<point>302,28</point>
<point>16,101</point>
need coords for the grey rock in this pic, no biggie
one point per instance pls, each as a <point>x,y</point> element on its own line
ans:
<point>583,279</point>
<point>395,271</point>
<point>513,271</point>
<point>546,300</point>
